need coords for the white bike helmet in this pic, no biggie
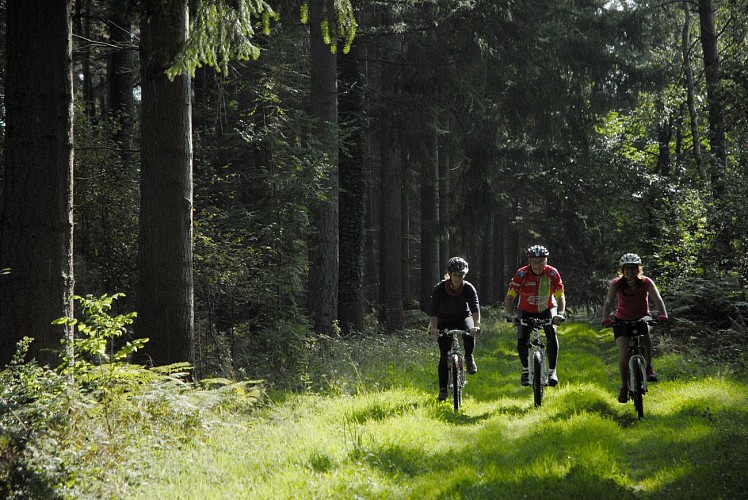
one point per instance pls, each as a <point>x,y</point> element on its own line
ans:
<point>537,251</point>
<point>630,258</point>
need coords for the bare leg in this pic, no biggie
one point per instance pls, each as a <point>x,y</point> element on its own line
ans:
<point>647,342</point>
<point>623,359</point>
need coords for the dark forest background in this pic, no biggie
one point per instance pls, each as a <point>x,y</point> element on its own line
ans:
<point>270,189</point>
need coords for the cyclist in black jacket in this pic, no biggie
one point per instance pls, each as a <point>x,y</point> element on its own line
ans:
<point>454,305</point>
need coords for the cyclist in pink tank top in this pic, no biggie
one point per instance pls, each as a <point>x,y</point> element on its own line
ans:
<point>631,292</point>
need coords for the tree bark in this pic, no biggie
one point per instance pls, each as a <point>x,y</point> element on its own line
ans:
<point>688,71</point>
<point>444,159</point>
<point>721,218</point>
<point>354,189</point>
<point>391,183</point>
<point>324,245</point>
<point>165,302</point>
<point>121,71</point>
<point>717,141</point>
<point>37,212</point>
<point>429,219</point>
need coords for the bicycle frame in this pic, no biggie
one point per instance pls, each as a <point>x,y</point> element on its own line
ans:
<point>637,379</point>
<point>456,379</point>
<point>536,359</point>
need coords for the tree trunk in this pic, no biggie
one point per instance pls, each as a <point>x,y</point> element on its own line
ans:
<point>37,212</point>
<point>717,139</point>
<point>165,281</point>
<point>391,182</point>
<point>444,158</point>
<point>721,218</point>
<point>408,226</point>
<point>83,31</point>
<point>429,219</point>
<point>324,245</point>
<point>487,252</point>
<point>122,74</point>
<point>694,122</point>
<point>354,189</point>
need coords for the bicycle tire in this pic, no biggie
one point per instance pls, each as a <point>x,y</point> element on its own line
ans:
<point>638,391</point>
<point>537,379</point>
<point>456,383</point>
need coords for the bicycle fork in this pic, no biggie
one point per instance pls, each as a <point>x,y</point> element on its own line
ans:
<point>637,363</point>
<point>455,360</point>
<point>536,349</point>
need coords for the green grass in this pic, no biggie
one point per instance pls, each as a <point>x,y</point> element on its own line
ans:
<point>377,431</point>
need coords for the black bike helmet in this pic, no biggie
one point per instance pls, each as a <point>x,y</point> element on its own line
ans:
<point>630,258</point>
<point>457,265</point>
<point>537,251</point>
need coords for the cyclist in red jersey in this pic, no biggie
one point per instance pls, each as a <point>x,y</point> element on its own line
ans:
<point>631,291</point>
<point>541,295</point>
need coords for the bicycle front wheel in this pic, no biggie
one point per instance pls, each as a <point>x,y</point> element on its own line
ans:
<point>638,391</point>
<point>537,378</point>
<point>456,382</point>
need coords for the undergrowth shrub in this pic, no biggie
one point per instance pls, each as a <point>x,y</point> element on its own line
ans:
<point>68,432</point>
<point>708,317</point>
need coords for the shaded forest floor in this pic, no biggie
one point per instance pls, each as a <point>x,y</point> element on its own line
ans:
<point>377,431</point>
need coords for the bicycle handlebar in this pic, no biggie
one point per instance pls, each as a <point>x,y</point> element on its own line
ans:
<point>650,322</point>
<point>535,322</point>
<point>468,331</point>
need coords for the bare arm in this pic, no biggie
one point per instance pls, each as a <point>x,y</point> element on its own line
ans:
<point>610,297</point>
<point>561,301</point>
<point>509,305</point>
<point>657,299</point>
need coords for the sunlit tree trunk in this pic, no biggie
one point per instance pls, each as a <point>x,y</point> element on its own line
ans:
<point>37,213</point>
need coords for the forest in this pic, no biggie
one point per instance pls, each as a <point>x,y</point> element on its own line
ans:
<point>210,207</point>
<point>246,174</point>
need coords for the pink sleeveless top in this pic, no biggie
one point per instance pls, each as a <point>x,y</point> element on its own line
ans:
<point>635,306</point>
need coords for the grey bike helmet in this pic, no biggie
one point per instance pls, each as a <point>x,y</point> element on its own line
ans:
<point>537,251</point>
<point>630,258</point>
<point>457,265</point>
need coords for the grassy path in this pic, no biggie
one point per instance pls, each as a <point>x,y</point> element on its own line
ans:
<point>385,436</point>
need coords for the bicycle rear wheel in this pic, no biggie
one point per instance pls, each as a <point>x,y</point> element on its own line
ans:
<point>456,381</point>
<point>638,391</point>
<point>537,378</point>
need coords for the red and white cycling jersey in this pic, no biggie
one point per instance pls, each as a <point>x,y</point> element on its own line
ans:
<point>536,292</point>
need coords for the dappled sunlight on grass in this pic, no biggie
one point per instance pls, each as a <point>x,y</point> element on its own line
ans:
<point>396,441</point>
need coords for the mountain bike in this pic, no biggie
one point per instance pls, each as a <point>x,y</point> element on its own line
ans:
<point>635,331</point>
<point>536,359</point>
<point>456,365</point>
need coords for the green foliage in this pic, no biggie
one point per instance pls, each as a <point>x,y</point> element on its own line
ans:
<point>95,340</point>
<point>378,432</point>
<point>340,24</point>
<point>106,206</point>
<point>253,217</point>
<point>64,437</point>
<point>223,30</point>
